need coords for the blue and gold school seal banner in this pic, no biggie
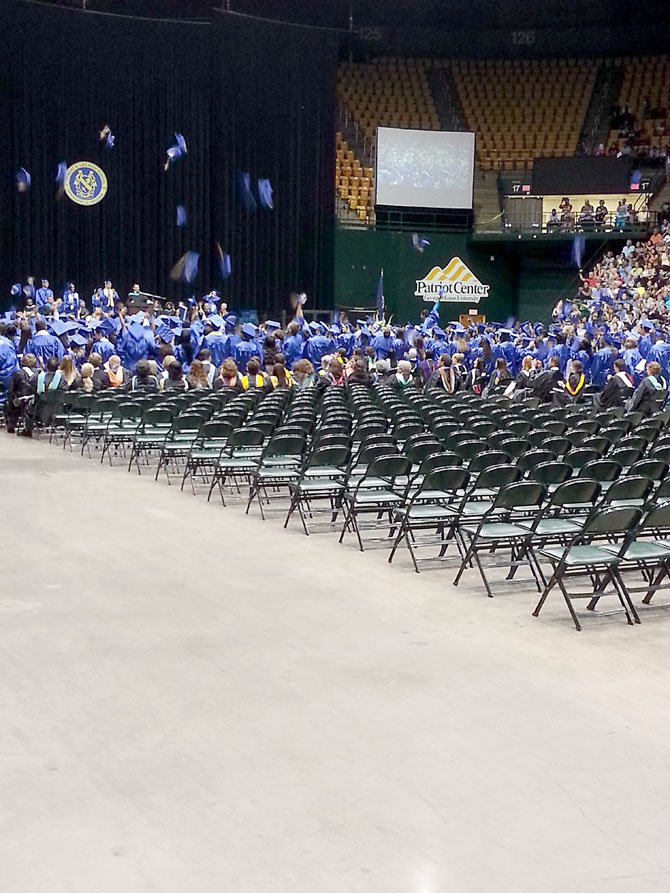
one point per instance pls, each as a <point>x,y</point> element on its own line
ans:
<point>85,183</point>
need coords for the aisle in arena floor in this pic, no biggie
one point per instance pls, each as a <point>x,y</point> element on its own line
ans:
<point>196,700</point>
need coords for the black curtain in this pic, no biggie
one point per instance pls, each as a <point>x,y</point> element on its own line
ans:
<point>66,73</point>
<point>274,108</point>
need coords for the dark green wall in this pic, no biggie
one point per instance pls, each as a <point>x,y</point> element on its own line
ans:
<point>361,253</point>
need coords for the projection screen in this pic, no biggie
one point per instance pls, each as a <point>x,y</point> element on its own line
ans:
<point>424,168</point>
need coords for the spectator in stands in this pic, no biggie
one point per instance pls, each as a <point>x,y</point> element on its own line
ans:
<point>567,217</point>
<point>601,213</point>
<point>622,214</point>
<point>553,220</point>
<point>587,215</point>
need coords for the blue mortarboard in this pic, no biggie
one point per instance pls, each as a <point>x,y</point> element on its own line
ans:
<point>216,321</point>
<point>78,340</point>
<point>107,138</point>
<point>223,261</point>
<point>181,215</point>
<point>23,180</point>
<point>136,329</point>
<point>15,289</point>
<point>361,322</point>
<point>61,170</point>
<point>507,332</point>
<point>177,151</point>
<point>107,326</point>
<point>60,327</point>
<point>440,333</point>
<point>419,244</point>
<point>136,317</point>
<point>265,194</point>
<point>230,321</point>
<point>186,267</point>
<point>164,332</point>
<point>458,328</point>
<point>335,329</point>
<point>249,329</point>
<point>481,328</point>
<point>314,326</point>
<point>272,325</point>
<point>244,191</point>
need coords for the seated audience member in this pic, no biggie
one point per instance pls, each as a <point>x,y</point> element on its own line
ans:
<point>303,375</point>
<point>86,384</point>
<point>618,389</point>
<point>144,378</point>
<point>500,379</point>
<point>280,378</point>
<point>228,376</point>
<point>253,377</point>
<point>543,384</point>
<point>197,377</point>
<point>403,378</point>
<point>521,388</point>
<point>553,220</point>
<point>651,394</point>
<point>444,378</point>
<point>175,380</point>
<point>381,371</point>
<point>572,389</point>
<point>333,375</point>
<point>70,374</point>
<point>205,358</point>
<point>51,378</point>
<point>476,379</point>
<point>116,375</point>
<point>100,379</point>
<point>22,387</point>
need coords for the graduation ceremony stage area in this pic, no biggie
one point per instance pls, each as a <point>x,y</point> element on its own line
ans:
<point>196,700</point>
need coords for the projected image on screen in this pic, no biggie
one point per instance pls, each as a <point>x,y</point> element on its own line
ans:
<point>424,168</point>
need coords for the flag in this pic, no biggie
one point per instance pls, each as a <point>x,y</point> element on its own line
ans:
<point>578,245</point>
<point>380,296</point>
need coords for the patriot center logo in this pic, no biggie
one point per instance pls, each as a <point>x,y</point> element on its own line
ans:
<point>451,284</point>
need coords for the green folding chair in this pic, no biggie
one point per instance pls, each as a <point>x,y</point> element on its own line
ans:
<point>587,557</point>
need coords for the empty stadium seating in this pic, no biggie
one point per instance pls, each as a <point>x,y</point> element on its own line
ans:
<point>523,109</point>
<point>387,92</point>
<point>355,183</point>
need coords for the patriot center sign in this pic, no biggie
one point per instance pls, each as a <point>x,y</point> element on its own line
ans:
<point>453,284</point>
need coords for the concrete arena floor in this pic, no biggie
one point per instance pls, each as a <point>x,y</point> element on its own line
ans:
<point>221,705</point>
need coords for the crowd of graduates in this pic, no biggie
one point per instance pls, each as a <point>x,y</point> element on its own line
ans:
<point>609,344</point>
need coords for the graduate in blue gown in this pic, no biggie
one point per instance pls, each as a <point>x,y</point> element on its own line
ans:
<point>71,300</point>
<point>44,297</point>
